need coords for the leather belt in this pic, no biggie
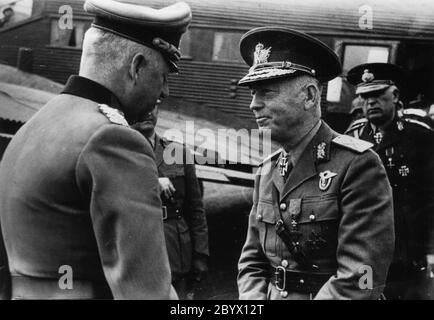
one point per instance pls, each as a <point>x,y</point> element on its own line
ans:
<point>171,213</point>
<point>298,281</point>
<point>24,287</point>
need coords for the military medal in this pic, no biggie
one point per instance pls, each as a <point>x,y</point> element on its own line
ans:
<point>389,153</point>
<point>404,171</point>
<point>325,179</point>
<point>378,137</point>
<point>283,164</point>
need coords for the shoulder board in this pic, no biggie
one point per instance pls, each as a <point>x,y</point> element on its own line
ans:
<point>114,115</point>
<point>351,143</point>
<point>416,112</point>
<point>357,124</point>
<point>418,123</point>
<point>272,156</point>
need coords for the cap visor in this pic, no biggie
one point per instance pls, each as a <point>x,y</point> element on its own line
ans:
<point>371,88</point>
<point>265,74</point>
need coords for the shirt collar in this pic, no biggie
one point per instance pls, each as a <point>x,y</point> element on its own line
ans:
<point>89,89</point>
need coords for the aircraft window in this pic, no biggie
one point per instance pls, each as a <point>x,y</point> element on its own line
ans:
<point>358,54</point>
<point>185,45</point>
<point>68,37</point>
<point>15,11</point>
<point>226,47</point>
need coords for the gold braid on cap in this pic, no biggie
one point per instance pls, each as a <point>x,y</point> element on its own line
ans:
<point>166,47</point>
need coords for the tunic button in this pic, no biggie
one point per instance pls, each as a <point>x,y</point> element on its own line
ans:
<point>283,206</point>
<point>285,263</point>
<point>283,294</point>
<point>312,217</point>
<point>177,211</point>
<point>301,281</point>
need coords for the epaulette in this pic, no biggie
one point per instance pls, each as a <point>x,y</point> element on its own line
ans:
<point>416,112</point>
<point>356,125</point>
<point>418,123</point>
<point>351,143</point>
<point>114,115</point>
<point>272,156</point>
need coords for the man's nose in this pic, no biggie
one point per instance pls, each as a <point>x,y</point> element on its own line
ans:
<point>256,103</point>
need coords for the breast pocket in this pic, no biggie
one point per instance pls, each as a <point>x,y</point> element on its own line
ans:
<point>319,224</point>
<point>266,226</point>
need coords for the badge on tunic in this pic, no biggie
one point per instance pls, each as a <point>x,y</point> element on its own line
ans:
<point>325,179</point>
<point>404,171</point>
<point>320,150</point>
<point>400,125</point>
<point>389,153</point>
<point>378,137</point>
<point>114,115</point>
<point>283,165</point>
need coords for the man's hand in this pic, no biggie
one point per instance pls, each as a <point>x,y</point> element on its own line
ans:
<point>167,187</point>
<point>200,269</point>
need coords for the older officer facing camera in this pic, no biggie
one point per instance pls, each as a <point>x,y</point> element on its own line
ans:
<point>321,224</point>
<point>405,147</point>
<point>185,225</point>
<point>79,187</point>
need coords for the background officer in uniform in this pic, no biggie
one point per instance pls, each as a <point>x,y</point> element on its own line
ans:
<point>405,147</point>
<point>78,186</point>
<point>185,225</point>
<point>318,227</point>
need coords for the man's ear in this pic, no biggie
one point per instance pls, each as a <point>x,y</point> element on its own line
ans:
<point>312,96</point>
<point>137,62</point>
<point>395,93</point>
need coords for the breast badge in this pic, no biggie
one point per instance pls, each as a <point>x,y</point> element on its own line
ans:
<point>404,171</point>
<point>325,179</point>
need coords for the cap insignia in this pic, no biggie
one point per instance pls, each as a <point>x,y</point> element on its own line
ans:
<point>114,115</point>
<point>261,54</point>
<point>367,76</point>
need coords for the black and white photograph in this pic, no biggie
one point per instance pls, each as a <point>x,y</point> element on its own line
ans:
<point>216,150</point>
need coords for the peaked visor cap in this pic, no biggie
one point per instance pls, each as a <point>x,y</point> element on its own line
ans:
<point>370,77</point>
<point>159,29</point>
<point>276,52</point>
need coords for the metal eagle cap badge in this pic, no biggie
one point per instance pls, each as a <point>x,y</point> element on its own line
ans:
<point>261,54</point>
<point>325,179</point>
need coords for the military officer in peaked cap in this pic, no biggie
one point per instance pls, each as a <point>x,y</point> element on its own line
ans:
<point>318,228</point>
<point>79,199</point>
<point>405,147</point>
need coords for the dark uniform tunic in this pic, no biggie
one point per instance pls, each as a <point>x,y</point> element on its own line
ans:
<point>406,148</point>
<point>79,188</point>
<point>185,225</point>
<point>340,225</point>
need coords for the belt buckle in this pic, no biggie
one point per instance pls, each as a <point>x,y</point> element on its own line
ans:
<point>164,213</point>
<point>280,273</point>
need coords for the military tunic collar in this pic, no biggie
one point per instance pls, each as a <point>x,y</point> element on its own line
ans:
<point>89,89</point>
<point>301,146</point>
